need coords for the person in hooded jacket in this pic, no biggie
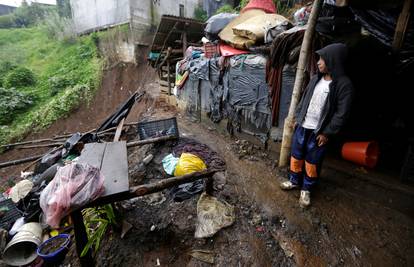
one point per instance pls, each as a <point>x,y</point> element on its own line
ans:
<point>321,112</point>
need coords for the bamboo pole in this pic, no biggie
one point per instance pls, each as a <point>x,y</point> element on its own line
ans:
<point>299,79</point>
<point>169,182</point>
<point>151,140</point>
<point>402,25</point>
<point>41,146</point>
<point>19,161</point>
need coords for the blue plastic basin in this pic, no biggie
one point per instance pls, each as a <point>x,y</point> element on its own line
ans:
<point>59,254</point>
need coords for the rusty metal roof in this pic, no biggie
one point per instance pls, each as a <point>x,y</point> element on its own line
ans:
<point>176,25</point>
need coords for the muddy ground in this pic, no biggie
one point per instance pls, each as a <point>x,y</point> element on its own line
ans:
<point>352,221</point>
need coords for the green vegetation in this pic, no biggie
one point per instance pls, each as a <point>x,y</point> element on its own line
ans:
<point>97,221</point>
<point>200,14</point>
<point>25,15</point>
<point>43,79</point>
<point>226,9</point>
<point>282,7</point>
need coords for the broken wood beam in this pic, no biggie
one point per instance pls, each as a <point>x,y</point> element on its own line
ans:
<point>19,161</point>
<point>402,24</point>
<point>170,182</point>
<point>40,146</point>
<point>151,140</point>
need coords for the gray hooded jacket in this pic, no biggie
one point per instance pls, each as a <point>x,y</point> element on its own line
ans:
<point>338,103</point>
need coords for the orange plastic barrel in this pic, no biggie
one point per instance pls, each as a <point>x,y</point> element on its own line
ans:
<point>362,153</point>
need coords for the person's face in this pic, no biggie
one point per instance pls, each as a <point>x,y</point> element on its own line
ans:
<point>322,66</point>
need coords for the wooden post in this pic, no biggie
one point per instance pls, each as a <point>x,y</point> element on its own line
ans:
<point>184,36</point>
<point>401,26</point>
<point>169,182</point>
<point>299,79</point>
<point>119,130</point>
<point>151,140</point>
<point>81,239</point>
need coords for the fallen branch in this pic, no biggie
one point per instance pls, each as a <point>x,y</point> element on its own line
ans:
<point>170,182</point>
<point>151,140</point>
<point>42,145</point>
<point>19,161</point>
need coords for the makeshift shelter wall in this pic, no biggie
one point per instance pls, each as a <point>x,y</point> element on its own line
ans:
<point>241,96</point>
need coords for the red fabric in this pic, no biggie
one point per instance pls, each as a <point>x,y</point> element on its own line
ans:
<point>227,50</point>
<point>266,5</point>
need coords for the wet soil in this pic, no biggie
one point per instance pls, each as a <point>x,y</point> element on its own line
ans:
<point>352,221</point>
<point>53,245</point>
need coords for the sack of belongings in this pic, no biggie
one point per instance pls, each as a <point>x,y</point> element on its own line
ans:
<point>255,27</point>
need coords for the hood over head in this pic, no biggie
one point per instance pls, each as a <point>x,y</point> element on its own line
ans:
<point>334,56</point>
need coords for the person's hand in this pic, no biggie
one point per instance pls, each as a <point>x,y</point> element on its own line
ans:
<point>322,139</point>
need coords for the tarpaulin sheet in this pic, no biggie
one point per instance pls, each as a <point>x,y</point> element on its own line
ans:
<point>247,83</point>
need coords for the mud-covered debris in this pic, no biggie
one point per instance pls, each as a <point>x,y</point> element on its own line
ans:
<point>219,180</point>
<point>154,198</point>
<point>126,226</point>
<point>203,255</point>
<point>212,215</point>
<point>256,220</point>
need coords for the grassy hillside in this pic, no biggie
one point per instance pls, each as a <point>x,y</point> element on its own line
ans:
<point>42,79</point>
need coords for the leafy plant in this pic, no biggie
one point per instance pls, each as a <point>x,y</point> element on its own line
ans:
<point>97,221</point>
<point>200,13</point>
<point>58,27</point>
<point>57,84</point>
<point>226,9</point>
<point>19,77</point>
<point>12,101</point>
<point>5,68</point>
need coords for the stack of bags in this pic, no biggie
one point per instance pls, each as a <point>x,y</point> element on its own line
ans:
<point>251,25</point>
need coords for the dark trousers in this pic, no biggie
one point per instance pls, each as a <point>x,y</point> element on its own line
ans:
<point>306,158</point>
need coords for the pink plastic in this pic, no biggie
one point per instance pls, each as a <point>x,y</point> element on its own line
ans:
<point>74,186</point>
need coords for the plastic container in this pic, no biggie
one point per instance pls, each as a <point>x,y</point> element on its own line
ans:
<point>362,153</point>
<point>157,128</point>
<point>21,249</point>
<point>58,255</point>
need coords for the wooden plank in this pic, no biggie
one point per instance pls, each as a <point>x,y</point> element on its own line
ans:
<point>119,130</point>
<point>92,154</point>
<point>115,169</point>
<point>401,26</point>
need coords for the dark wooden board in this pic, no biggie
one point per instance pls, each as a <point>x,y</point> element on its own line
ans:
<point>115,168</point>
<point>92,154</point>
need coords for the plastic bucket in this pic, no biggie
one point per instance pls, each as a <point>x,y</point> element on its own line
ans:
<point>362,153</point>
<point>21,249</point>
<point>59,253</point>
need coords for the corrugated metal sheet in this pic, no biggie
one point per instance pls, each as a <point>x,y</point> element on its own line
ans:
<point>193,28</point>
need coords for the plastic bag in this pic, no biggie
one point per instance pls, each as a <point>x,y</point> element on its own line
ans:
<point>189,163</point>
<point>301,15</point>
<point>212,215</point>
<point>169,163</point>
<point>74,186</point>
<point>216,23</point>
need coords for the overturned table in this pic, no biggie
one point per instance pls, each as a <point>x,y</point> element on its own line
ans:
<point>111,159</point>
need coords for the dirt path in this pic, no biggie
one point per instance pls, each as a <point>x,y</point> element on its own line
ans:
<point>350,223</point>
